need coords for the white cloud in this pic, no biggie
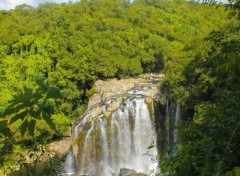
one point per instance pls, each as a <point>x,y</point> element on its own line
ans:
<point>11,4</point>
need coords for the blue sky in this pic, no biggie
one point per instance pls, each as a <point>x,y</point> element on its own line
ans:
<point>10,4</point>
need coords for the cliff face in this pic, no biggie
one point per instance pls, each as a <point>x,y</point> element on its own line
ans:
<point>118,128</point>
<point>112,92</point>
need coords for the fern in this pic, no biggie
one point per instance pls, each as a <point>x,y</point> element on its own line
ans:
<point>55,168</point>
<point>218,168</point>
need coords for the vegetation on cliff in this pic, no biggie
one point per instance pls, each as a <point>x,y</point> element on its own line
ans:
<point>207,86</point>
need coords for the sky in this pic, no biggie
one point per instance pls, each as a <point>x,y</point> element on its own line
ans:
<point>11,4</point>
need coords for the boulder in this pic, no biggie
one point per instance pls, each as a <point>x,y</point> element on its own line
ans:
<point>127,172</point>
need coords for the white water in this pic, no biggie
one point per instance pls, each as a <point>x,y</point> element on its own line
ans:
<point>121,141</point>
<point>88,157</point>
<point>167,121</point>
<point>173,115</point>
<point>177,118</point>
<point>70,163</point>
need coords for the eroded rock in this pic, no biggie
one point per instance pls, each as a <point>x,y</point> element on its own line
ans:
<point>111,93</point>
<point>127,172</point>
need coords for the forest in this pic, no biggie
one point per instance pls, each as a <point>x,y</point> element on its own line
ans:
<point>51,55</point>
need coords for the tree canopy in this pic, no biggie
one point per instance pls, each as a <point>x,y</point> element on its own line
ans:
<point>73,44</point>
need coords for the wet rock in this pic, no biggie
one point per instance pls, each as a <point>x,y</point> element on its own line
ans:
<point>110,94</point>
<point>114,87</point>
<point>127,172</point>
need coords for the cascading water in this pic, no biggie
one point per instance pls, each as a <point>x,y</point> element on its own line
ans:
<point>118,133</point>
<point>133,133</point>
<point>121,141</point>
<point>173,114</point>
<point>70,163</point>
<point>177,118</point>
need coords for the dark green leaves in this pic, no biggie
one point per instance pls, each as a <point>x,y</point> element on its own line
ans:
<point>54,92</point>
<point>35,113</point>
<point>23,127</point>
<point>21,116</point>
<point>6,132</point>
<point>44,108</point>
<point>30,105</point>
<point>43,86</point>
<point>28,91</point>
<point>12,109</point>
<point>4,129</point>
<point>48,120</point>
<point>31,127</point>
<point>3,125</point>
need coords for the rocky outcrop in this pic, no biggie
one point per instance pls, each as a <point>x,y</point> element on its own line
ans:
<point>114,87</point>
<point>110,94</point>
<point>127,172</point>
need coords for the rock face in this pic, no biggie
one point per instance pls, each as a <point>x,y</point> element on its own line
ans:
<point>111,92</point>
<point>127,172</point>
<point>114,87</point>
<point>120,112</point>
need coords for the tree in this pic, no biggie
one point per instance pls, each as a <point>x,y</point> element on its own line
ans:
<point>29,107</point>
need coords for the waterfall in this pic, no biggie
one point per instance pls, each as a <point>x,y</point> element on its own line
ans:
<point>104,145</point>
<point>120,141</point>
<point>167,122</point>
<point>88,156</point>
<point>173,114</point>
<point>118,133</point>
<point>177,118</point>
<point>126,138</point>
<point>70,163</point>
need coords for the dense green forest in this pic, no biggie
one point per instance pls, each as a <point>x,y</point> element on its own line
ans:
<point>205,81</point>
<point>71,45</point>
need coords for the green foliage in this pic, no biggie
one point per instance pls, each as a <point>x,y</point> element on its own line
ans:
<point>74,44</point>
<point>88,40</point>
<point>235,171</point>
<point>85,41</point>
<point>29,107</point>
<point>36,162</point>
<point>207,85</point>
